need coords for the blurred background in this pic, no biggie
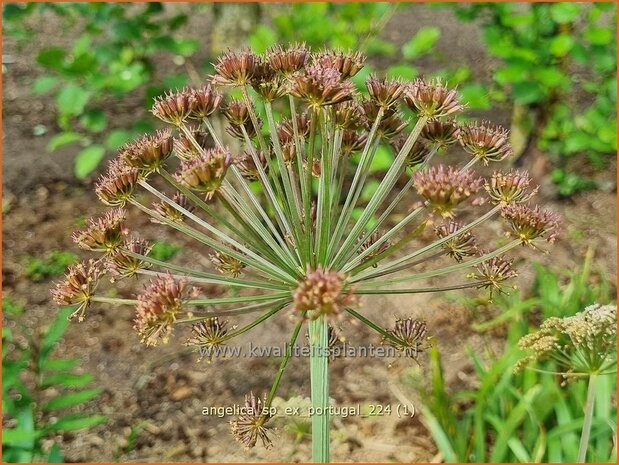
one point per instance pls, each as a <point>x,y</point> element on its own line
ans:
<point>78,81</point>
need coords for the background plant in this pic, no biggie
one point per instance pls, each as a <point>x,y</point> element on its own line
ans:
<point>113,58</point>
<point>40,392</point>
<point>528,416</point>
<point>558,71</point>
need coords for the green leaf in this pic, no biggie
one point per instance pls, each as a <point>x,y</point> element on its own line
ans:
<point>72,99</point>
<point>76,422</point>
<point>17,436</point>
<point>88,160</point>
<point>599,35</point>
<point>561,45</point>
<point>55,455</point>
<point>61,364</point>
<point>564,12</point>
<point>94,120</point>
<point>68,380</point>
<point>64,138</point>
<point>117,138</point>
<point>528,92</point>
<point>51,57</point>
<point>407,72</point>
<point>71,399</point>
<point>421,43</point>
<point>44,84</point>
<point>262,38</point>
<point>55,332</point>
<point>476,96</point>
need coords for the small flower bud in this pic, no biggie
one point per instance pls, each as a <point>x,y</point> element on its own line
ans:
<point>206,101</point>
<point>150,152</point>
<point>446,187</point>
<point>117,187</point>
<point>123,265</point>
<point>510,187</point>
<point>186,149</point>
<point>288,60</point>
<point>238,115</point>
<point>441,134</point>
<point>411,337</point>
<point>103,234</point>
<point>250,426</point>
<point>157,308</point>
<point>460,246</point>
<point>227,265</point>
<point>347,64</point>
<point>493,273</point>
<point>416,155</point>
<point>385,93</point>
<point>353,141</point>
<point>78,287</point>
<point>350,115</point>
<point>236,68</point>
<point>323,292</point>
<point>247,165</point>
<point>530,223</point>
<point>369,242</point>
<point>206,172</point>
<point>432,99</point>
<point>486,141</point>
<point>207,335</point>
<point>320,86</point>
<point>174,107</point>
<point>169,212</point>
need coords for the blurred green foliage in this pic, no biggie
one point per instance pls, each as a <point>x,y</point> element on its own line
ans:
<point>113,57</point>
<point>528,416</point>
<point>53,264</point>
<point>42,396</point>
<point>558,63</point>
<point>164,251</point>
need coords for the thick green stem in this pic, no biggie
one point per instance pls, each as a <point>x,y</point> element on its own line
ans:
<point>586,426</point>
<point>319,378</point>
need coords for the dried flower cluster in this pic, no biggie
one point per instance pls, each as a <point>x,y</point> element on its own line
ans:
<point>282,217</point>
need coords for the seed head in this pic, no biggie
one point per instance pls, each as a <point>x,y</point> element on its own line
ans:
<point>446,187</point>
<point>238,115</point>
<point>236,68</point>
<point>150,152</point>
<point>349,115</point>
<point>123,265</point>
<point>385,93</point>
<point>353,141</point>
<point>206,172</point>
<point>186,149</point>
<point>103,234</point>
<point>250,426</point>
<point>493,273</point>
<point>169,212</point>
<point>416,155</point>
<point>174,107</point>
<point>208,334</point>
<point>247,165</point>
<point>347,64</point>
<point>268,83</point>
<point>285,128</point>
<point>323,291</point>
<point>530,223</point>
<point>227,265</point>
<point>510,187</point>
<point>288,60</point>
<point>78,287</point>
<point>320,86</point>
<point>486,141</point>
<point>432,99</point>
<point>157,308</point>
<point>118,185</point>
<point>411,335</point>
<point>369,242</point>
<point>460,246</point>
<point>442,134</point>
<point>206,101</point>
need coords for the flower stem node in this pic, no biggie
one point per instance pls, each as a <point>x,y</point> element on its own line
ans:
<point>322,291</point>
